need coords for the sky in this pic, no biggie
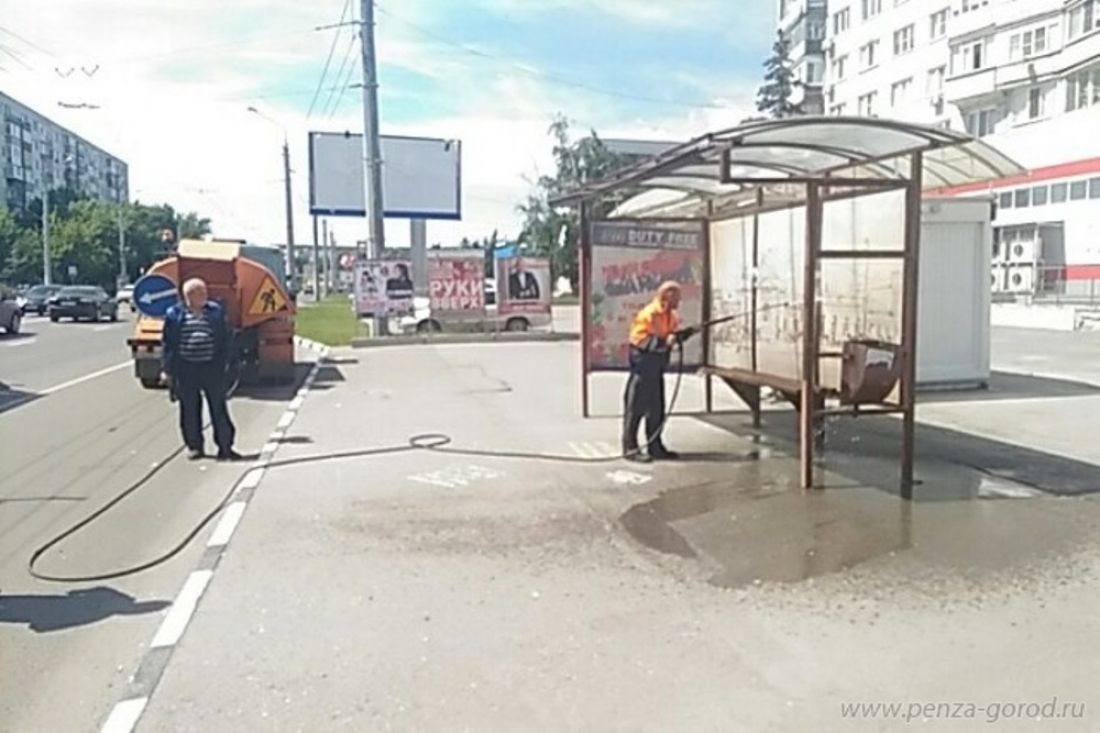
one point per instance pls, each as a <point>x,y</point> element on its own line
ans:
<point>171,83</point>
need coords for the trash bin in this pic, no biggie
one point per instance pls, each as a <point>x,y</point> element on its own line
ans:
<point>869,372</point>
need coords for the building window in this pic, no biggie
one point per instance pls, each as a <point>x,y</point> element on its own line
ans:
<point>1039,195</point>
<point>1006,200</point>
<point>839,109</point>
<point>899,91</point>
<point>969,5</point>
<point>1083,19</point>
<point>1083,89</point>
<point>970,57</point>
<point>867,104</point>
<point>840,67</point>
<point>841,21</point>
<point>1023,197</point>
<point>938,24</point>
<point>903,40</point>
<point>1094,188</point>
<point>868,55</point>
<point>982,123</point>
<point>1078,190</point>
<point>1035,103</point>
<point>871,8</point>
<point>1027,44</point>
<point>936,78</point>
<point>1059,193</point>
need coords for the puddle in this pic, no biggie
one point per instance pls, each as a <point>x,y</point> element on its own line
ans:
<point>754,527</point>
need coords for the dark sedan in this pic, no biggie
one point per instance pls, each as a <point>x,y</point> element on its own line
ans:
<point>83,301</point>
<point>36,300</point>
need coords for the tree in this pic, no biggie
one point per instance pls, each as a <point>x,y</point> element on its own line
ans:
<point>552,232</point>
<point>774,97</point>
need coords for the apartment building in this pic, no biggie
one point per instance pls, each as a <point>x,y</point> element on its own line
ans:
<point>1022,74</point>
<point>802,23</point>
<point>38,154</point>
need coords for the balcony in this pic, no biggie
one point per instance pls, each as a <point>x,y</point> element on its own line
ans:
<point>971,84</point>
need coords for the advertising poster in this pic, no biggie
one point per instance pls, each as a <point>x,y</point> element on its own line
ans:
<point>523,284</point>
<point>456,283</point>
<point>630,260</point>
<point>383,288</point>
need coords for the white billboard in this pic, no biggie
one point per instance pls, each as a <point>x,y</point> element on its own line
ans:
<point>421,177</point>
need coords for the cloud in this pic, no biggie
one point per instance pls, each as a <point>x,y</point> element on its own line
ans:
<point>175,80</point>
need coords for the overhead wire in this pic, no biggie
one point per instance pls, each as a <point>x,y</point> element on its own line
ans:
<point>342,79</point>
<point>328,60</point>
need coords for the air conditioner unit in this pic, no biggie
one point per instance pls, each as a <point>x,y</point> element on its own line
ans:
<point>998,278</point>
<point>1023,251</point>
<point>1021,279</point>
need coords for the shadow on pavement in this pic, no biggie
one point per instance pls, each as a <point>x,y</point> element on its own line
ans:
<point>12,398</point>
<point>951,464</point>
<point>1009,386</point>
<point>272,391</point>
<point>21,336</point>
<point>46,613</point>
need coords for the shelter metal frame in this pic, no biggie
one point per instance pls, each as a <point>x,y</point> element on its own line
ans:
<point>783,164</point>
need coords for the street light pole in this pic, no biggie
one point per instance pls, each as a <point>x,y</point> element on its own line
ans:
<point>45,233</point>
<point>290,260</point>
<point>121,249</point>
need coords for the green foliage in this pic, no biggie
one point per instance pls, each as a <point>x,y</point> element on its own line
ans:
<point>774,97</point>
<point>84,233</point>
<point>553,232</point>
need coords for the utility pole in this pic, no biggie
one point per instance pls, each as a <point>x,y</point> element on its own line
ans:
<point>333,264</point>
<point>121,249</point>
<point>372,149</point>
<point>325,246</point>
<point>291,262</point>
<point>316,264</point>
<point>45,234</point>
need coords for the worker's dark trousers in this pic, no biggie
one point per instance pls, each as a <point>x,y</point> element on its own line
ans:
<point>192,382</point>
<point>644,398</point>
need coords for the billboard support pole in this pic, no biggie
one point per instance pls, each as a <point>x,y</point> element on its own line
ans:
<point>585,261</point>
<point>708,310</point>
<point>418,249</point>
<point>316,263</point>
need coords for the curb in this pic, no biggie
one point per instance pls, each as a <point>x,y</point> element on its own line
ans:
<point>461,338</point>
<point>126,713</point>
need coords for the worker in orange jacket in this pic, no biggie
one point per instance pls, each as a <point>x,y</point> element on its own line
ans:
<point>653,334</point>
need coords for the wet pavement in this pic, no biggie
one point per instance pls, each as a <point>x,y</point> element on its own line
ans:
<point>459,591</point>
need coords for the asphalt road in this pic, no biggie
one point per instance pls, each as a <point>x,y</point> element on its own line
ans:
<point>75,430</point>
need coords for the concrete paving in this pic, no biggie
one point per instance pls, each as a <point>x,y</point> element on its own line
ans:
<point>465,591</point>
<point>75,432</point>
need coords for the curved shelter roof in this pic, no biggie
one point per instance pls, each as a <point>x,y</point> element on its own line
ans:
<point>726,172</point>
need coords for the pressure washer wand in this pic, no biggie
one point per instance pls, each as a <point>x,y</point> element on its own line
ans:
<point>685,333</point>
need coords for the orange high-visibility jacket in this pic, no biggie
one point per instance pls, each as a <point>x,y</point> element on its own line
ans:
<point>653,325</point>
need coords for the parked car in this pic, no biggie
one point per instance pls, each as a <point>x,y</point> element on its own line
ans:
<point>424,321</point>
<point>83,301</point>
<point>11,315</point>
<point>36,299</point>
<point>125,295</point>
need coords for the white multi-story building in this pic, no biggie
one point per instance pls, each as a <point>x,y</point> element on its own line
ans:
<point>38,154</point>
<point>1022,74</point>
<point>802,23</point>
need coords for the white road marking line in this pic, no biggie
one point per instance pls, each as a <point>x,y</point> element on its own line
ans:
<point>628,478</point>
<point>285,421</point>
<point>269,447</point>
<point>183,608</point>
<point>296,403</point>
<point>228,525</point>
<point>102,328</point>
<point>86,378</point>
<point>252,479</point>
<point>124,716</point>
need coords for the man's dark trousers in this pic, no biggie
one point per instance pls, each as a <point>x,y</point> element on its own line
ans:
<point>192,382</point>
<point>645,398</point>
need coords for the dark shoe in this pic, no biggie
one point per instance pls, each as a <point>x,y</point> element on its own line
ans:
<point>229,455</point>
<point>636,456</point>
<point>664,455</point>
<point>194,454</point>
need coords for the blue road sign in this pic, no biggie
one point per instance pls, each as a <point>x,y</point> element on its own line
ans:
<point>154,295</point>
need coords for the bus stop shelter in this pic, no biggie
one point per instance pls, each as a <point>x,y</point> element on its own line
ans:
<point>776,202</point>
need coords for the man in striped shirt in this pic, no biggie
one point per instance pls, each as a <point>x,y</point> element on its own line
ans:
<point>196,348</point>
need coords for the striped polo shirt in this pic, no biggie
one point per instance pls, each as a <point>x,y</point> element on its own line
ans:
<point>196,338</point>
